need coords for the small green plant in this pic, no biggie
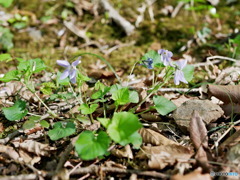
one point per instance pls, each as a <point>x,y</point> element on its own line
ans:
<point>6,3</point>
<point>119,125</point>
<point>6,38</point>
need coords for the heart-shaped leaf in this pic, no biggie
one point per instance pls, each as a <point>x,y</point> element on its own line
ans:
<point>90,145</point>
<point>123,129</point>
<point>163,105</point>
<point>16,112</point>
<point>61,130</point>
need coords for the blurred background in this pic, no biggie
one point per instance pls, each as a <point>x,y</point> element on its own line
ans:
<point>120,30</point>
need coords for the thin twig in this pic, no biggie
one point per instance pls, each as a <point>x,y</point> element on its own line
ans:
<point>177,9</point>
<point>93,169</point>
<point>10,136</point>
<point>224,134</point>
<point>122,22</point>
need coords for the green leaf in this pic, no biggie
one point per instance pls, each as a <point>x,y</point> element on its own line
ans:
<point>104,121</point>
<point>155,56</point>
<point>123,128</point>
<point>29,124</point>
<point>188,71</point>
<point>163,105</point>
<point>6,38</point>
<point>47,88</point>
<point>10,76</point>
<point>85,109</point>
<point>5,57</point>
<point>61,130</point>
<point>90,146</point>
<point>6,3</point>
<point>44,124</point>
<point>121,96</point>
<point>32,65</point>
<point>16,112</point>
<point>133,97</point>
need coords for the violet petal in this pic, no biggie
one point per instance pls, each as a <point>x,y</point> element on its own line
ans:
<point>63,63</point>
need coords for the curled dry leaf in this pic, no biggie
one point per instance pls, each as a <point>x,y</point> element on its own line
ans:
<point>168,154</point>
<point>124,152</point>
<point>151,117</point>
<point>35,147</point>
<point>227,94</point>
<point>154,138</point>
<point>198,135</point>
<point>9,152</point>
<point>195,175</point>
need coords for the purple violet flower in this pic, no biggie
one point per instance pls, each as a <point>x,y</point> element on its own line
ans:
<point>179,75</point>
<point>165,56</point>
<point>148,63</point>
<point>70,70</point>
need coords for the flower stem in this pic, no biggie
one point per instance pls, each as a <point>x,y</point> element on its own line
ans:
<point>49,110</point>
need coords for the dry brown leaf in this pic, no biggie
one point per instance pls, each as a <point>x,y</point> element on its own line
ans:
<point>35,147</point>
<point>151,117</point>
<point>198,131</point>
<point>209,112</point>
<point>10,152</point>
<point>227,94</point>
<point>195,175</point>
<point>154,138</point>
<point>124,152</point>
<point>198,135</point>
<point>230,108</point>
<point>161,156</point>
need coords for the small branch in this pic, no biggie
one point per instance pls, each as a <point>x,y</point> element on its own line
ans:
<point>93,169</point>
<point>10,136</point>
<point>20,177</point>
<point>177,9</point>
<point>122,22</point>
<point>223,58</point>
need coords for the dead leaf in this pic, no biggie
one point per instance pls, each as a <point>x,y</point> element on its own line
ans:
<point>154,138</point>
<point>198,135</point>
<point>208,111</point>
<point>198,131</point>
<point>151,117</point>
<point>227,94</point>
<point>35,147</point>
<point>161,156</point>
<point>233,155</point>
<point>195,175</point>
<point>10,152</point>
<point>124,152</point>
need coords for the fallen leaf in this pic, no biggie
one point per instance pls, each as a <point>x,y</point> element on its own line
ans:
<point>154,138</point>
<point>124,152</point>
<point>198,135</point>
<point>195,175</point>
<point>208,111</point>
<point>35,147</point>
<point>227,94</point>
<point>161,156</point>
<point>10,152</point>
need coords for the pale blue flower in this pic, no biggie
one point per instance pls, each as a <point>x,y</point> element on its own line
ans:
<point>179,75</point>
<point>165,56</point>
<point>70,70</point>
<point>148,63</point>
